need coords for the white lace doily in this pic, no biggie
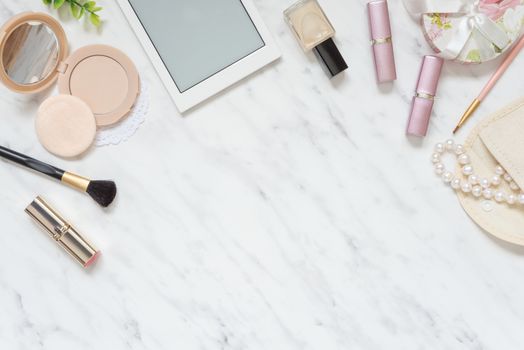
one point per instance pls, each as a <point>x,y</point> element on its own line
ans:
<point>114,135</point>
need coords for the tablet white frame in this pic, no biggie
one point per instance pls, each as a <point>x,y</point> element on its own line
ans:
<point>219,81</point>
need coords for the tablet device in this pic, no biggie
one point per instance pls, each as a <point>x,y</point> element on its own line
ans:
<point>200,47</point>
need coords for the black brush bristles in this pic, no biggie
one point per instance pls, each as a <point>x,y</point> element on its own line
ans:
<point>103,192</point>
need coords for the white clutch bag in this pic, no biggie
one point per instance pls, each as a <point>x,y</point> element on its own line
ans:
<point>498,140</point>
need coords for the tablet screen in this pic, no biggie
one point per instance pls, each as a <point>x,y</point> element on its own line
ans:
<point>198,38</point>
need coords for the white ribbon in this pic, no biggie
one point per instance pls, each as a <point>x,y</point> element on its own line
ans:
<point>472,20</point>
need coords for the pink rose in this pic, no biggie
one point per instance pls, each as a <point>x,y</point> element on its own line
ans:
<point>495,9</point>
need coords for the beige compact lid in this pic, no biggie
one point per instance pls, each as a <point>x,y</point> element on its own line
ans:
<point>34,54</point>
<point>104,78</point>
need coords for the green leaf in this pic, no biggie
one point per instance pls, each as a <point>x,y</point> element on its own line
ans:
<point>75,10</point>
<point>58,3</point>
<point>90,5</point>
<point>79,8</point>
<point>95,19</point>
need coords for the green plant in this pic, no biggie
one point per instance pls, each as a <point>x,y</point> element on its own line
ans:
<point>79,8</point>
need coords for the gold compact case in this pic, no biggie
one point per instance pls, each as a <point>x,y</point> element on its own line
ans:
<point>62,232</point>
<point>34,55</point>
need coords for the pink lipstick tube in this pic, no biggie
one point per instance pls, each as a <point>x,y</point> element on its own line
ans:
<point>424,96</point>
<point>381,41</point>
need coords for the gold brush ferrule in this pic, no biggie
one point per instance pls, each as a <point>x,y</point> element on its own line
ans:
<point>62,232</point>
<point>76,181</point>
<point>469,112</point>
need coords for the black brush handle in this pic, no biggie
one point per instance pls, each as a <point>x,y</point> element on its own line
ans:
<point>31,163</point>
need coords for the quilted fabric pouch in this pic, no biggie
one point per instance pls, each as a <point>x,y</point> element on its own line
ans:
<point>498,140</point>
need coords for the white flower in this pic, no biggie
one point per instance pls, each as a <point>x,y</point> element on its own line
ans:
<point>513,21</point>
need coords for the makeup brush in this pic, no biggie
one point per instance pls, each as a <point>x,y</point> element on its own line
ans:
<point>491,83</point>
<point>103,192</point>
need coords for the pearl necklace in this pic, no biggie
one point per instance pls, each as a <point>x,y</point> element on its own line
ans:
<point>470,183</point>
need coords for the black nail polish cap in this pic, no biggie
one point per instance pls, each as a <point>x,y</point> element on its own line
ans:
<point>330,57</point>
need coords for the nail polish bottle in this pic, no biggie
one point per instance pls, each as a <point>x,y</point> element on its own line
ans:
<point>314,32</point>
<point>381,41</point>
<point>424,95</point>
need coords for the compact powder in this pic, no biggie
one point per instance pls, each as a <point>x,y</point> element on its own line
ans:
<point>65,125</point>
<point>105,78</point>
<point>107,75</point>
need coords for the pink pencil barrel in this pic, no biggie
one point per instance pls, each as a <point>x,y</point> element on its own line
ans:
<point>502,69</point>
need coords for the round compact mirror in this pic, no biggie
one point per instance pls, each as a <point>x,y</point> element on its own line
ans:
<point>30,53</point>
<point>31,47</point>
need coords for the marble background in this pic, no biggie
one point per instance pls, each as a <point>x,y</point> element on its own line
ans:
<point>290,212</point>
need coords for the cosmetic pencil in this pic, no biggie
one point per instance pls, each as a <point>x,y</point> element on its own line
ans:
<point>491,83</point>
<point>103,192</point>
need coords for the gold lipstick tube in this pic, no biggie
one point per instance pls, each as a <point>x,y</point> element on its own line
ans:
<point>62,232</point>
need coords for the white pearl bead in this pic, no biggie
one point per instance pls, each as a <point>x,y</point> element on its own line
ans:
<point>467,170</point>
<point>439,168</point>
<point>487,193</point>
<point>459,149</point>
<point>507,178</point>
<point>473,179</point>
<point>447,177</point>
<point>435,158</point>
<point>513,185</point>
<point>500,196</point>
<point>484,182</point>
<point>439,148</point>
<point>476,191</point>
<point>496,180</point>
<point>520,198</point>
<point>455,184</point>
<point>463,159</point>
<point>465,187</point>
<point>511,199</point>
<point>499,170</point>
<point>450,144</point>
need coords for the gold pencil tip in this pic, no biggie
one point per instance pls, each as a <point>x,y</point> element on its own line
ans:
<point>471,109</point>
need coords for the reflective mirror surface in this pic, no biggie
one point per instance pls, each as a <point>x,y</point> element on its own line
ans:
<point>30,53</point>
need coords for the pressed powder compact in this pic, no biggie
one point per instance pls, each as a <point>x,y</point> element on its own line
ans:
<point>104,78</point>
<point>34,55</point>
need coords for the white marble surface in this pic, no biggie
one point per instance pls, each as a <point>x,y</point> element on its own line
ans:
<point>290,212</point>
